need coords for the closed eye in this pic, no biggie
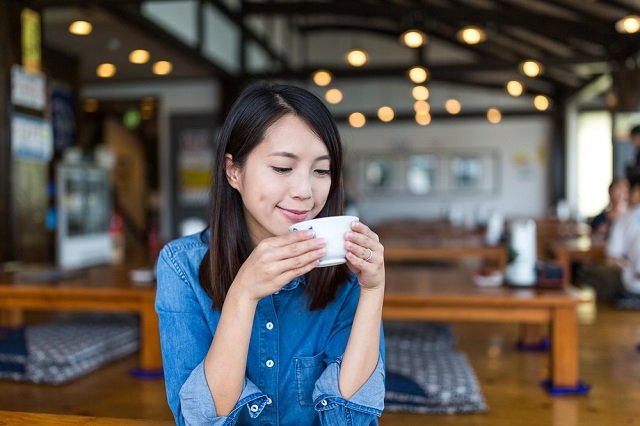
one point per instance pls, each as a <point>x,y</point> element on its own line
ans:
<point>281,170</point>
<point>323,172</point>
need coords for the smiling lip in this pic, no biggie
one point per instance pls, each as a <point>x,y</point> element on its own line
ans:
<point>294,215</point>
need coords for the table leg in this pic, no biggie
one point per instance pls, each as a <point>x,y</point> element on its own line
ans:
<point>564,348</point>
<point>150,355</point>
<point>564,260</point>
<point>533,337</point>
<point>11,318</point>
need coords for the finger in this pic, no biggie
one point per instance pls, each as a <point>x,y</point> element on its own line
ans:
<point>295,263</point>
<point>295,249</point>
<point>361,228</point>
<point>363,241</point>
<point>357,262</point>
<point>290,238</point>
<point>358,250</point>
<point>296,272</point>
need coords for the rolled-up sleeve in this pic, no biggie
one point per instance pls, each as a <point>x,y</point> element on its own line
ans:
<point>185,338</point>
<point>362,408</point>
<point>366,405</point>
<point>198,407</point>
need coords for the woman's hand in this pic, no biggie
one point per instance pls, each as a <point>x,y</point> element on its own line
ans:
<point>276,261</point>
<point>365,256</point>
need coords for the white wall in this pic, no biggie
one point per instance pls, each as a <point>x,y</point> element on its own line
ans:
<point>193,96</point>
<point>522,144</point>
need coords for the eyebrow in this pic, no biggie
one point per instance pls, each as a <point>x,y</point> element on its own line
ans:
<point>295,157</point>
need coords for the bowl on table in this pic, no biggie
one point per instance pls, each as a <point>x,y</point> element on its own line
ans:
<point>488,278</point>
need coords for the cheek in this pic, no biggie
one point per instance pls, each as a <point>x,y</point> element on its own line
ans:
<point>322,190</point>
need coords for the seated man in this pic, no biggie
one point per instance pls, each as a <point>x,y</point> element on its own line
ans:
<point>620,274</point>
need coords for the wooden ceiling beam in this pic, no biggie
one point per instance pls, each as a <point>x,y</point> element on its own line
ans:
<point>479,16</point>
<point>621,5</point>
<point>582,11</point>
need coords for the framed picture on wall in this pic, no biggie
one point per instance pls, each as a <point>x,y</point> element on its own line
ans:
<point>472,171</point>
<point>421,173</point>
<point>379,174</point>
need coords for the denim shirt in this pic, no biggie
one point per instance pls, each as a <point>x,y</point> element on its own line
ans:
<point>293,363</point>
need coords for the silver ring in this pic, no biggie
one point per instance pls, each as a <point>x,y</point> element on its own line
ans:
<point>370,255</point>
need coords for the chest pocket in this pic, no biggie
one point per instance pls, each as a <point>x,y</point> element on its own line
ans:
<point>308,370</point>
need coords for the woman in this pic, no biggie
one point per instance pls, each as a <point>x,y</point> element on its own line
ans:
<point>602,223</point>
<point>251,331</point>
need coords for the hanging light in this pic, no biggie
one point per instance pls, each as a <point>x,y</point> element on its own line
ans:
<point>80,28</point>
<point>106,70</point>
<point>423,118</point>
<point>139,56</point>
<point>162,68</point>
<point>541,102</point>
<point>420,93</point>
<point>531,68</point>
<point>630,24</point>
<point>357,57</point>
<point>514,88</point>
<point>453,106</point>
<point>386,114</point>
<point>322,78</point>
<point>494,116</point>
<point>421,106</point>
<point>357,119</point>
<point>418,74</point>
<point>413,38</point>
<point>333,96</point>
<point>471,35</point>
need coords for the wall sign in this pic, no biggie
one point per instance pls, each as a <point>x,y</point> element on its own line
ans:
<point>31,40</point>
<point>28,89</point>
<point>31,138</point>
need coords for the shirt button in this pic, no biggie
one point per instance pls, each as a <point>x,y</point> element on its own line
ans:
<point>269,325</point>
<point>323,402</point>
<point>269,363</point>
<point>254,408</point>
<point>269,401</point>
<point>277,292</point>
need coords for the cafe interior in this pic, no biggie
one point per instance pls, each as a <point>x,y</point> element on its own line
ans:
<point>480,137</point>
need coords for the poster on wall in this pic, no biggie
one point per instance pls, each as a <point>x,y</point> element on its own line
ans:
<point>195,158</point>
<point>28,89</point>
<point>31,138</point>
<point>191,170</point>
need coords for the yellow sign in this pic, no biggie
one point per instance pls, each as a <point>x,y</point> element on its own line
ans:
<point>31,42</point>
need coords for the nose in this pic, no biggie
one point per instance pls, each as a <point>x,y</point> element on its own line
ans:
<point>301,186</point>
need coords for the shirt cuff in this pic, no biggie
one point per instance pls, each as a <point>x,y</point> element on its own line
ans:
<point>368,399</point>
<point>198,407</point>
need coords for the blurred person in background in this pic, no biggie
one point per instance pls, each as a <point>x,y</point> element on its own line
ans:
<point>618,205</point>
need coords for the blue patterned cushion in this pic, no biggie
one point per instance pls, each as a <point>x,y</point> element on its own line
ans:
<point>59,351</point>
<point>424,374</point>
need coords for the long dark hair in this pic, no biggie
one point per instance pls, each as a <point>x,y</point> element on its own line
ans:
<point>257,108</point>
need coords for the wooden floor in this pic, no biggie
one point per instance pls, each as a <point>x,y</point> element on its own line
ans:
<point>509,380</point>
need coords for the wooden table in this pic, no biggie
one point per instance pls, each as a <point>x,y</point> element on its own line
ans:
<point>568,251</point>
<point>99,289</point>
<point>448,294</point>
<point>423,248</point>
<point>549,229</point>
<point>16,418</point>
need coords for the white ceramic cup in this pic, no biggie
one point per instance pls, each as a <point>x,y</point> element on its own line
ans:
<point>332,229</point>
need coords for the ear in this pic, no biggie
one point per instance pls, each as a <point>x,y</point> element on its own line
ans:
<point>232,171</point>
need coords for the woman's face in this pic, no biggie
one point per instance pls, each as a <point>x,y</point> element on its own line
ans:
<point>285,180</point>
<point>619,193</point>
